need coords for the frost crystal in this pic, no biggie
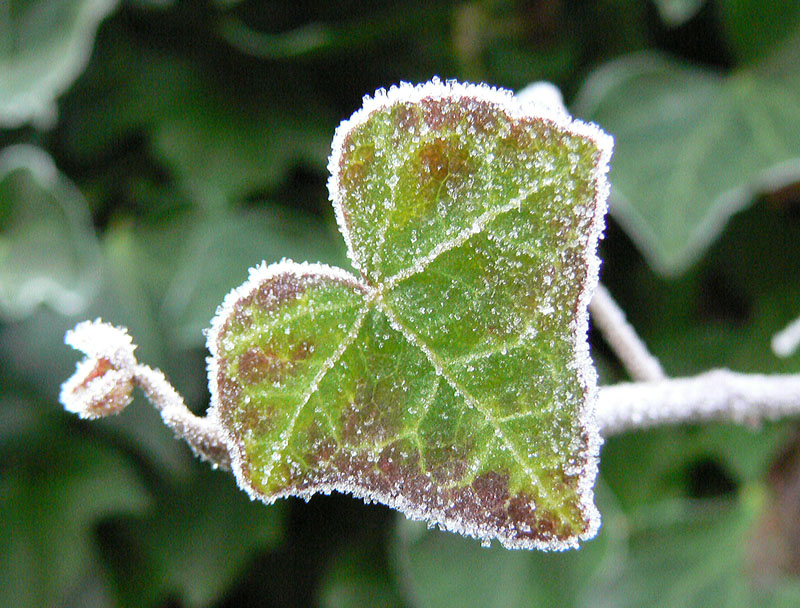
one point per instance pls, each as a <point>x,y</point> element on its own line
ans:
<point>103,381</point>
<point>452,379</point>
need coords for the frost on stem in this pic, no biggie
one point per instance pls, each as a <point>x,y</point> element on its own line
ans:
<point>786,341</point>
<point>103,382</point>
<point>620,335</point>
<point>718,395</point>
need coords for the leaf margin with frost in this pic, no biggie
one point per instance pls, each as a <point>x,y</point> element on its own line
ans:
<point>597,188</point>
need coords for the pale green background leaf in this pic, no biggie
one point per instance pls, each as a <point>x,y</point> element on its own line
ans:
<point>677,12</point>
<point>225,246</point>
<point>693,146</point>
<point>44,46</point>
<point>48,249</point>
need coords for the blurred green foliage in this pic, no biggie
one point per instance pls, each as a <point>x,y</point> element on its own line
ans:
<point>148,161</point>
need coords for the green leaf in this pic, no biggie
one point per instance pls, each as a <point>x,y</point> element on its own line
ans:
<point>692,554</point>
<point>223,136</point>
<point>223,148</point>
<point>184,547</point>
<point>48,249</point>
<point>49,504</point>
<point>44,46</point>
<point>693,147</point>
<point>452,380</point>
<point>677,12</point>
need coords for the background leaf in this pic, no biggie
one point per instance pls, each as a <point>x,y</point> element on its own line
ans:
<point>44,46</point>
<point>693,146</point>
<point>48,251</point>
<point>678,12</point>
<point>182,547</point>
<point>49,504</point>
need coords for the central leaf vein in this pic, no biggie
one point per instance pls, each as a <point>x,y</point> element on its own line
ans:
<point>477,227</point>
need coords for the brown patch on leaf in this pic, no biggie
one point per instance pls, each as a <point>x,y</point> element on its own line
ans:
<point>355,163</point>
<point>438,112</point>
<point>483,116</point>
<point>229,390</point>
<point>257,363</point>
<point>279,289</point>
<point>407,117</point>
<point>372,416</point>
<point>485,505</point>
<point>491,495</point>
<point>433,158</point>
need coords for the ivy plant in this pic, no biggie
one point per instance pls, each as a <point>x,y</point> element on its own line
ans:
<point>450,378</point>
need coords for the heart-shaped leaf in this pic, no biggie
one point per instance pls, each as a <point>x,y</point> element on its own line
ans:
<point>452,379</point>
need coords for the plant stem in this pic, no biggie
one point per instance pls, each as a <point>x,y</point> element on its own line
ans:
<point>786,341</point>
<point>720,395</point>
<point>201,433</point>
<point>632,352</point>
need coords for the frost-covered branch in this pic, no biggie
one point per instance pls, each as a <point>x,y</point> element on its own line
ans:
<point>786,341</point>
<point>103,382</point>
<point>720,395</point>
<point>608,317</point>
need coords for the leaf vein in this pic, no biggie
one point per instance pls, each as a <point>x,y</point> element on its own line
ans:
<point>327,365</point>
<point>469,398</point>
<point>477,227</point>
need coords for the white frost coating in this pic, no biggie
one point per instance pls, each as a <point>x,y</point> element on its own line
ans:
<point>256,277</point>
<point>537,104</point>
<point>608,317</point>
<point>312,388</point>
<point>462,237</point>
<point>203,435</point>
<point>786,341</point>
<point>436,89</point>
<point>99,340</point>
<point>716,395</point>
<point>545,97</point>
<point>103,382</point>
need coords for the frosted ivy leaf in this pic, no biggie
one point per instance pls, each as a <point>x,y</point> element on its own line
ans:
<point>451,380</point>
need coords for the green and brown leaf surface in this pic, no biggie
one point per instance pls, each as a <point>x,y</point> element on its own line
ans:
<point>450,381</point>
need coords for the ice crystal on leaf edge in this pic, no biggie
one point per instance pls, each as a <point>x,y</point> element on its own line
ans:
<point>514,109</point>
